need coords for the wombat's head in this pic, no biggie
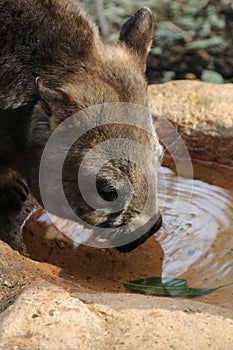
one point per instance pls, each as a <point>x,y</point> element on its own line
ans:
<point>109,150</point>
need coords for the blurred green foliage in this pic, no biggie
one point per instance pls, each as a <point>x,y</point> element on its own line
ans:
<point>192,36</point>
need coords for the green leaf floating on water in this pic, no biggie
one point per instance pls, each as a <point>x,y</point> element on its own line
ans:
<point>172,287</point>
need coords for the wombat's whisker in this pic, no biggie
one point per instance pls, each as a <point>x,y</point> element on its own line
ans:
<point>106,251</point>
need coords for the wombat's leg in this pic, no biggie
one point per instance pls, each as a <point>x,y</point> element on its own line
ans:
<point>13,190</point>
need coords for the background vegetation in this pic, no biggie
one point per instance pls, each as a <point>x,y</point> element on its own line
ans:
<point>193,39</point>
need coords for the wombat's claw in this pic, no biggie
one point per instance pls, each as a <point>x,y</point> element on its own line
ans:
<point>12,193</point>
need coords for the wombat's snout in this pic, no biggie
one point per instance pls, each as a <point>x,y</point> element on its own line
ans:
<point>138,241</point>
<point>124,204</point>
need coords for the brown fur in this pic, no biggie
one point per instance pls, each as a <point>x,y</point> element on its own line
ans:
<point>57,41</point>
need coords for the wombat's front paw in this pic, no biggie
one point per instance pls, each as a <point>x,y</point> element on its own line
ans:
<point>13,190</point>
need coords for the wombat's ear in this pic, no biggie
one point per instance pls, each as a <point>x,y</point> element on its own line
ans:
<point>53,99</point>
<point>138,33</point>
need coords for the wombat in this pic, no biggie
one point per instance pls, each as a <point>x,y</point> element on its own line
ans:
<point>53,65</point>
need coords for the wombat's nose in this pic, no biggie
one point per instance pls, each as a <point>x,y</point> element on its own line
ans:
<point>138,241</point>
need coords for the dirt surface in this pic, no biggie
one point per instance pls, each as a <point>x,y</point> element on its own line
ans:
<point>97,269</point>
<point>202,114</point>
<point>210,172</point>
<point>51,318</point>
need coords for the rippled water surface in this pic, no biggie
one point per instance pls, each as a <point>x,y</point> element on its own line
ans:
<point>197,237</point>
<point>197,240</point>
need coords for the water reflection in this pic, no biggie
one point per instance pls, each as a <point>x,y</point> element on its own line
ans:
<point>198,235</point>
